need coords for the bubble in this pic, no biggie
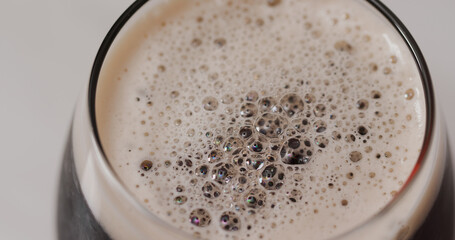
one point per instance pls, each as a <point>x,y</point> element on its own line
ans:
<point>220,42</point>
<point>270,158</point>
<point>210,103</point>
<point>273,3</point>
<point>210,190</point>
<point>179,200</point>
<point>222,173</point>
<point>388,154</point>
<point>218,140</point>
<point>320,126</point>
<point>193,182</point>
<point>296,151</point>
<point>268,104</point>
<point>362,104</point>
<point>375,94</point>
<point>202,171</point>
<point>215,156</point>
<point>362,130</point>
<point>343,46</point>
<point>393,59</point>
<point>200,217</point>
<point>271,125</point>
<point>161,68</point>
<point>373,67</point>
<point>167,163</point>
<point>344,202</point>
<point>146,165</point>
<point>301,125</point>
<point>255,198</point>
<point>180,188</point>
<point>336,135</point>
<point>248,110</point>
<point>350,138</point>
<point>291,104</point>
<point>259,22</point>
<point>174,94</point>
<point>319,110</point>
<point>238,160</point>
<point>309,98</point>
<point>232,144</point>
<point>255,162</point>
<point>387,70</point>
<point>321,141</point>
<point>188,163</point>
<point>290,132</point>
<point>246,132</point>
<point>252,96</point>
<point>196,42</point>
<point>409,94</point>
<point>355,156</point>
<point>294,195</point>
<point>240,184</point>
<point>190,132</point>
<point>227,99</point>
<point>257,145</point>
<point>272,177</point>
<point>229,221</point>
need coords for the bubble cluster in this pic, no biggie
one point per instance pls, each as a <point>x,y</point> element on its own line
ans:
<point>272,177</point>
<point>296,151</point>
<point>222,173</point>
<point>229,221</point>
<point>291,104</point>
<point>255,198</point>
<point>271,125</point>
<point>200,217</point>
<point>211,190</point>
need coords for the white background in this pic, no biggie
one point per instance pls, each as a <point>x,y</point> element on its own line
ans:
<point>46,51</point>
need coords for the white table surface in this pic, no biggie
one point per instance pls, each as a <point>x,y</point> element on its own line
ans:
<point>46,51</point>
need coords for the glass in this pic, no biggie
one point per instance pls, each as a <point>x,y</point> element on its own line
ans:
<point>93,202</point>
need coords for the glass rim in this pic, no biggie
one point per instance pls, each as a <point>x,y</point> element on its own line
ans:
<point>395,22</point>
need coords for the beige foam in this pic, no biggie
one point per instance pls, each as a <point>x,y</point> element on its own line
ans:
<point>152,91</point>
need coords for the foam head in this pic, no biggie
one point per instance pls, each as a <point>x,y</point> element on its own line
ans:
<point>261,119</point>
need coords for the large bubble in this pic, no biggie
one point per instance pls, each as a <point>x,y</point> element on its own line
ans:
<point>296,151</point>
<point>292,104</point>
<point>229,221</point>
<point>255,198</point>
<point>272,177</point>
<point>222,173</point>
<point>271,125</point>
<point>200,217</point>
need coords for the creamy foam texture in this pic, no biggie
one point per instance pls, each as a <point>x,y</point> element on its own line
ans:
<point>261,119</point>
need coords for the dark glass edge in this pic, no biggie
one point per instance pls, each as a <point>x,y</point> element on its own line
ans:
<point>377,4</point>
<point>99,60</point>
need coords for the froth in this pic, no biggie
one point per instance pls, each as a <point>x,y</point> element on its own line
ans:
<point>261,119</point>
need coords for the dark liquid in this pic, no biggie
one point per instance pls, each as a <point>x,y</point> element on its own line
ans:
<point>76,221</point>
<point>439,224</point>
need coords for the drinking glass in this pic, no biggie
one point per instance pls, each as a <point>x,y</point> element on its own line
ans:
<point>94,203</point>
